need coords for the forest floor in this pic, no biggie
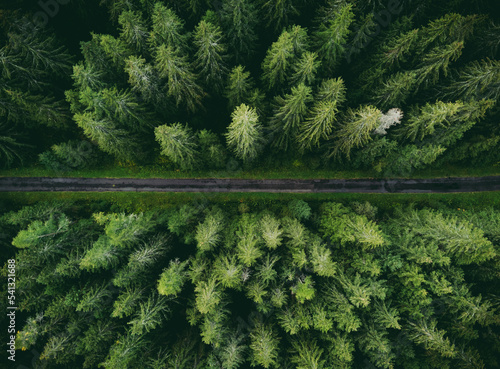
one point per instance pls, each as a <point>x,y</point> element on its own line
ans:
<point>434,185</point>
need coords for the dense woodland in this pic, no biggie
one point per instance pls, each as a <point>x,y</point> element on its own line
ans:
<point>390,86</point>
<point>292,285</point>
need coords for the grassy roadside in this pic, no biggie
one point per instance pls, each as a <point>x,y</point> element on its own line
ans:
<point>137,202</point>
<point>299,172</point>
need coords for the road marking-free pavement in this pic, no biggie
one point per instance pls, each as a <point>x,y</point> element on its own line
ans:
<point>433,185</point>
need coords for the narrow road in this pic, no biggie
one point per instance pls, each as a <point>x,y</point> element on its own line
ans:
<point>434,185</point>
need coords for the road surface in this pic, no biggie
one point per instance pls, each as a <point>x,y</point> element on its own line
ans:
<point>434,185</point>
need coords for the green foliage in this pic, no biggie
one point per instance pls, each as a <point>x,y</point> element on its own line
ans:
<point>264,346</point>
<point>210,54</point>
<point>329,292</point>
<point>177,143</point>
<point>289,113</point>
<point>244,134</point>
<point>181,81</point>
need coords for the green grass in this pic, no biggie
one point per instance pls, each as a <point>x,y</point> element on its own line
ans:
<point>293,172</point>
<point>137,202</point>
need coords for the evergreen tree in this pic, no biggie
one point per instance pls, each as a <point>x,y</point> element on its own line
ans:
<point>244,134</point>
<point>167,28</point>
<point>289,113</point>
<point>332,36</point>
<point>305,69</point>
<point>239,87</point>
<point>133,30</point>
<point>281,56</point>
<point>210,54</point>
<point>264,346</point>
<point>181,81</point>
<point>239,19</point>
<point>356,130</point>
<point>178,144</point>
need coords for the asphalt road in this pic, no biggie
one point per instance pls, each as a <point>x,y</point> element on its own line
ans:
<point>434,185</point>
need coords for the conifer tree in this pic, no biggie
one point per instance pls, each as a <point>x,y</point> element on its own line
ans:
<point>318,125</point>
<point>133,30</point>
<point>239,20</point>
<point>305,69</point>
<point>478,80</point>
<point>167,28</point>
<point>209,57</point>
<point>239,87</point>
<point>264,346</point>
<point>178,144</point>
<point>181,81</point>
<point>278,12</point>
<point>279,59</point>
<point>109,138</point>
<point>356,130</point>
<point>244,134</point>
<point>331,36</point>
<point>289,113</point>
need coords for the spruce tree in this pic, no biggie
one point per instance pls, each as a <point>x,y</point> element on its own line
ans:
<point>239,20</point>
<point>209,58</point>
<point>244,134</point>
<point>239,87</point>
<point>178,144</point>
<point>167,28</point>
<point>289,113</point>
<point>133,30</point>
<point>331,37</point>
<point>181,81</point>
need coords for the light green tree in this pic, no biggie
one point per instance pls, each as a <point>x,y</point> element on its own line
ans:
<point>178,144</point>
<point>245,136</point>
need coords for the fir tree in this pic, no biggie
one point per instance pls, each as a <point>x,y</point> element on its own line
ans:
<point>210,54</point>
<point>239,19</point>
<point>181,81</point>
<point>289,113</point>
<point>178,144</point>
<point>244,134</point>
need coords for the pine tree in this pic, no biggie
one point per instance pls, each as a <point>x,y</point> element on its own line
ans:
<point>279,60</point>
<point>426,333</point>
<point>478,80</point>
<point>289,113</point>
<point>305,69</point>
<point>181,81</point>
<point>178,144</point>
<point>356,130</point>
<point>278,12</point>
<point>209,58</point>
<point>10,148</point>
<point>244,134</point>
<point>331,37</point>
<point>239,87</point>
<point>151,314</point>
<point>173,278</point>
<point>307,354</point>
<point>167,28</point>
<point>264,346</point>
<point>239,19</point>
<point>271,231</point>
<point>144,80</point>
<point>436,62</point>
<point>228,271</point>
<point>109,138</point>
<point>208,296</point>
<point>208,233</point>
<point>318,125</point>
<point>133,30</point>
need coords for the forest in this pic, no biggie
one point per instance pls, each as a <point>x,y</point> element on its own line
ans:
<point>288,284</point>
<point>385,87</point>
